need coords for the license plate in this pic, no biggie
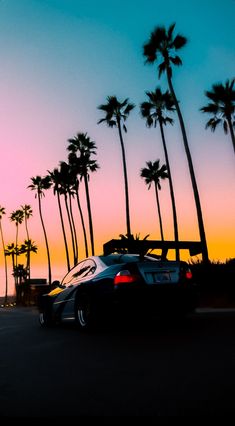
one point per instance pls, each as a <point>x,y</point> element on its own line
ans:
<point>158,277</point>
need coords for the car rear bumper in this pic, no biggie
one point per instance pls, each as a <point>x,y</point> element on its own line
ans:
<point>157,298</point>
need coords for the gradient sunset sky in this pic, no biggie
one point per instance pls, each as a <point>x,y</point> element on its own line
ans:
<point>60,59</point>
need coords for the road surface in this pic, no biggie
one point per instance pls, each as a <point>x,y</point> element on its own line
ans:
<point>172,368</point>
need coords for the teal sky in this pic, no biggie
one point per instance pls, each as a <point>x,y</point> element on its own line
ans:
<point>60,59</point>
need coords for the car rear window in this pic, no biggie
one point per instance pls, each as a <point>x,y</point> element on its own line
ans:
<point>113,259</point>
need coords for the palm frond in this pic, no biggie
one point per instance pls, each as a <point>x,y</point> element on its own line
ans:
<point>175,60</point>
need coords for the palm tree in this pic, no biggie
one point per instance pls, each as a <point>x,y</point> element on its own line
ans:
<point>153,173</point>
<point>2,212</point>
<point>12,251</point>
<point>154,111</point>
<point>163,45</point>
<point>75,188</point>
<point>221,107</point>
<point>39,184</point>
<point>20,272</point>
<point>56,179</point>
<point>84,165</point>
<point>116,114</point>
<point>17,216</point>
<point>133,244</point>
<point>66,190</point>
<point>28,247</point>
<point>27,213</point>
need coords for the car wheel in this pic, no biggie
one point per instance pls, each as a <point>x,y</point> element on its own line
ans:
<point>44,319</point>
<point>84,313</point>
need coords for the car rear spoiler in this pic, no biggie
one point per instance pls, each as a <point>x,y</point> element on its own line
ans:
<point>143,246</point>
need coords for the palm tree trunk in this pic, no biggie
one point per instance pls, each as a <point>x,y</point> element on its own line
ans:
<point>128,226</point>
<point>192,174</point>
<point>16,258</point>
<point>5,264</point>
<point>71,228</point>
<point>28,252</point>
<point>171,192</point>
<point>28,265</point>
<point>82,221</point>
<point>159,212</point>
<point>26,228</point>
<point>46,241</point>
<point>63,230</point>
<point>89,214</point>
<point>231,132</point>
<point>74,229</point>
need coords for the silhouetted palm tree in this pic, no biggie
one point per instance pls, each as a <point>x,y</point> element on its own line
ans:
<point>153,173</point>
<point>133,244</point>
<point>20,273</point>
<point>66,190</point>
<point>27,213</point>
<point>116,114</point>
<point>13,251</point>
<point>84,165</point>
<point>163,46</point>
<point>27,248</point>
<point>10,250</point>
<point>17,216</point>
<point>154,111</point>
<point>2,212</point>
<point>56,179</point>
<point>75,187</point>
<point>39,185</point>
<point>221,107</point>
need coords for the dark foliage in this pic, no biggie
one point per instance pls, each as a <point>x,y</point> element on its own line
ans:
<point>215,280</point>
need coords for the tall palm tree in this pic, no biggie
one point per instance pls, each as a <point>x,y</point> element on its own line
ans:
<point>27,213</point>
<point>221,107</point>
<point>66,190</point>
<point>56,179</point>
<point>2,212</point>
<point>116,114</point>
<point>75,144</point>
<point>164,46</point>
<point>75,187</point>
<point>17,216</point>
<point>153,173</point>
<point>84,165</point>
<point>39,185</point>
<point>12,251</point>
<point>154,111</point>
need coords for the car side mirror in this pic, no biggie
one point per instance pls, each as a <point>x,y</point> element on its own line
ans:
<point>55,284</point>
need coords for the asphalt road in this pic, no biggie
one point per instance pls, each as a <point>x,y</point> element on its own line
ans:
<point>172,368</point>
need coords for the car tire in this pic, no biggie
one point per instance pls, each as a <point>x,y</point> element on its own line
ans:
<point>84,313</point>
<point>44,319</point>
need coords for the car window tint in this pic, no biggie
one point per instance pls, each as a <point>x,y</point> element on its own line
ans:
<point>68,279</point>
<point>113,259</point>
<point>84,268</point>
<point>87,269</point>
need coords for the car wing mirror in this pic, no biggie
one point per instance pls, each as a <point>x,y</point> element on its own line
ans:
<point>56,284</point>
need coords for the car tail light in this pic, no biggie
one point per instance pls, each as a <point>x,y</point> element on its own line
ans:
<point>125,277</point>
<point>188,274</point>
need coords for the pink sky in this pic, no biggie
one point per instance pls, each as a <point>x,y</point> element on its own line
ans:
<point>59,61</point>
